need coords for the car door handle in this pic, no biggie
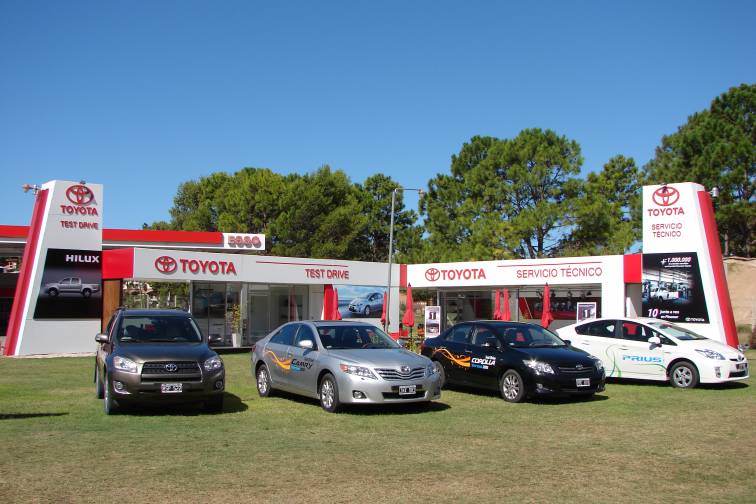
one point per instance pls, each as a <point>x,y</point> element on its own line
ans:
<point>468,351</point>
<point>624,348</point>
<point>586,342</point>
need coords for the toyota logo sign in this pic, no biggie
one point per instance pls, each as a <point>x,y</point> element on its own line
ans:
<point>432,274</point>
<point>171,367</point>
<point>80,195</point>
<point>665,196</point>
<point>166,264</point>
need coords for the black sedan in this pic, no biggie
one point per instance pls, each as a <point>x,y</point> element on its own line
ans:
<point>519,360</point>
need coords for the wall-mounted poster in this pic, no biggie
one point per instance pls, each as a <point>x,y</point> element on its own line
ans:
<point>360,301</point>
<point>71,285</point>
<point>432,321</point>
<point>586,311</point>
<point>672,288</point>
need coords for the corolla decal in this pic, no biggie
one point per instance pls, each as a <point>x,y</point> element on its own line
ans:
<point>283,364</point>
<point>460,360</point>
<point>483,362</point>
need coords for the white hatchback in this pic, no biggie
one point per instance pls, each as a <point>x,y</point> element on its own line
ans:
<point>653,349</point>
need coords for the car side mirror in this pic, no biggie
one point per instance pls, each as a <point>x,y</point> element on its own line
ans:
<point>102,338</point>
<point>655,340</point>
<point>306,344</point>
<point>492,342</point>
<point>567,342</point>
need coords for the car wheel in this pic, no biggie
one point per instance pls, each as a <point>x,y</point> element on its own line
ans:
<point>263,381</point>
<point>214,404</point>
<point>366,311</point>
<point>86,293</point>
<point>683,375</point>
<point>441,373</point>
<point>511,386</point>
<point>329,394</point>
<point>98,384</point>
<point>110,404</point>
<point>52,292</point>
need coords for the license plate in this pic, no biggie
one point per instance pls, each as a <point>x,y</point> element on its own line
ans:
<point>170,388</point>
<point>407,389</point>
<point>742,366</point>
<point>583,382</point>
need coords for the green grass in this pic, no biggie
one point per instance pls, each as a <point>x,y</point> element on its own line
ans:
<point>636,443</point>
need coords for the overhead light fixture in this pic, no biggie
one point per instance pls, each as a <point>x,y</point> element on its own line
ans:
<point>34,188</point>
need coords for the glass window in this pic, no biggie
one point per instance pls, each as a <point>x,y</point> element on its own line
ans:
<point>602,328</point>
<point>304,333</point>
<point>482,333</point>
<point>677,331</point>
<point>633,331</point>
<point>527,336</point>
<point>158,330</point>
<point>345,337</point>
<point>460,334</point>
<point>285,336</point>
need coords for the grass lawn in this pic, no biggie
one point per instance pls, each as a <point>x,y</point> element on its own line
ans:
<point>636,442</point>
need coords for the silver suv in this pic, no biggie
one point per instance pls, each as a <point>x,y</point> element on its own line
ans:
<point>342,362</point>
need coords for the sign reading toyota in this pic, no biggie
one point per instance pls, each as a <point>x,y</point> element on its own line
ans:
<point>168,265</point>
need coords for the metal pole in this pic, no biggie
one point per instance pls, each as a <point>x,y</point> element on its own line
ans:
<point>390,254</point>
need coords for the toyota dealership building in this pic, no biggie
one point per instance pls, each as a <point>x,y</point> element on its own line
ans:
<point>73,274</point>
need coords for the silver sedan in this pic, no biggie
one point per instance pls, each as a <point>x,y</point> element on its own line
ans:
<point>340,362</point>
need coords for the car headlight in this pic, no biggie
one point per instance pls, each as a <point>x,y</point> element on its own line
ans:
<point>711,354</point>
<point>430,370</point>
<point>213,363</point>
<point>124,364</point>
<point>539,367</point>
<point>360,371</point>
<point>597,362</point>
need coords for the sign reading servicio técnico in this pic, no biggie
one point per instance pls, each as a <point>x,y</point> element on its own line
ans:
<point>672,288</point>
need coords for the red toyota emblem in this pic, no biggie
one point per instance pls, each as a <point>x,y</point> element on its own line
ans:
<point>665,196</point>
<point>165,264</point>
<point>80,195</point>
<point>432,274</point>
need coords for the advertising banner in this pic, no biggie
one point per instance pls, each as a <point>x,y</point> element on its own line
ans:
<point>71,285</point>
<point>672,288</point>
<point>360,301</point>
<point>432,321</point>
<point>586,311</point>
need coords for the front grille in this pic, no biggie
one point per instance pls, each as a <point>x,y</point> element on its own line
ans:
<point>574,370</point>
<point>738,374</point>
<point>396,374</point>
<point>395,395</point>
<point>185,371</point>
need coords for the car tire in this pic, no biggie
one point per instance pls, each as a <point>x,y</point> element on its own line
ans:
<point>110,405</point>
<point>214,404</point>
<point>441,373</point>
<point>683,375</point>
<point>366,311</point>
<point>328,391</point>
<point>86,293</point>
<point>98,384</point>
<point>512,386</point>
<point>262,378</point>
<point>52,292</point>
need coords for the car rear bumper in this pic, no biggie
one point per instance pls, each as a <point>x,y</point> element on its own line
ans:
<point>356,390</point>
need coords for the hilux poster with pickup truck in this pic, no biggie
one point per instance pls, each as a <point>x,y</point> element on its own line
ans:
<point>71,285</point>
<point>672,288</point>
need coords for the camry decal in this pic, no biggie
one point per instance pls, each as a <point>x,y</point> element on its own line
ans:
<point>460,360</point>
<point>283,364</point>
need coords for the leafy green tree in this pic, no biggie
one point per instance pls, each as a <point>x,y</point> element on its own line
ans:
<point>606,216</point>
<point>321,216</point>
<point>504,198</point>
<point>717,148</point>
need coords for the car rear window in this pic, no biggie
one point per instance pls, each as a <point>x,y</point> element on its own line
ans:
<point>142,329</point>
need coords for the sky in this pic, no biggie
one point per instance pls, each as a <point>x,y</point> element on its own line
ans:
<point>143,95</point>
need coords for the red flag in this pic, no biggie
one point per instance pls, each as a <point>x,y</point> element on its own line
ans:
<point>505,314</point>
<point>383,311</point>
<point>336,312</point>
<point>327,302</point>
<point>409,314</point>
<point>546,316</point>
<point>497,311</point>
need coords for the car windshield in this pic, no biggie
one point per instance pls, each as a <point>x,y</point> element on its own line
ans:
<point>164,329</point>
<point>677,331</point>
<point>348,337</point>
<point>527,336</point>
